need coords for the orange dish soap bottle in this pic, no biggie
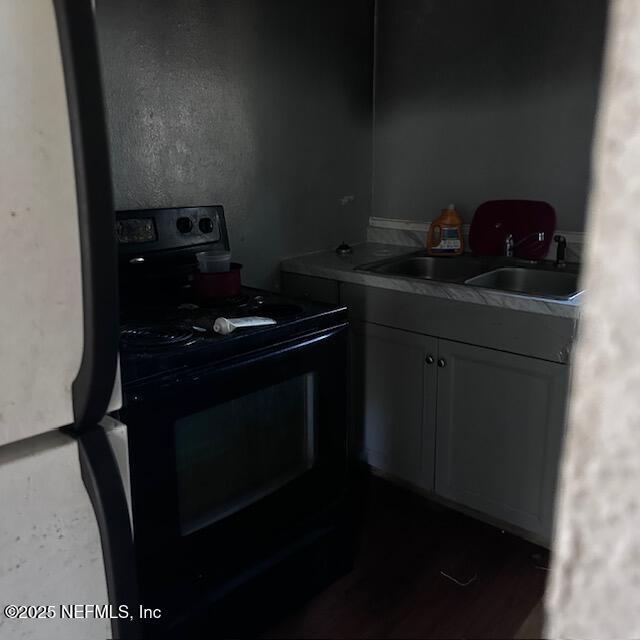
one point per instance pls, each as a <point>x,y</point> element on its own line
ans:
<point>445,234</point>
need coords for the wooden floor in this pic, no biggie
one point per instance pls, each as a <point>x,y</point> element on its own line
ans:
<point>397,591</point>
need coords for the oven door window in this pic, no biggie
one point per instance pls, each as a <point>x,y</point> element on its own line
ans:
<point>235,453</point>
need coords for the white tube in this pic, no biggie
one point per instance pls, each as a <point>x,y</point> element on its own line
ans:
<point>226,326</point>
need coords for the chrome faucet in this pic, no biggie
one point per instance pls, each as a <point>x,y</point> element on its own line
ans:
<point>510,245</point>
<point>560,252</point>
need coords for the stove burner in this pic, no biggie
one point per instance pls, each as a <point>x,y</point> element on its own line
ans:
<point>275,310</point>
<point>226,303</point>
<point>155,337</point>
<point>244,305</point>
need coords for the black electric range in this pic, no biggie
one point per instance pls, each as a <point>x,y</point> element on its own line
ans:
<point>238,443</point>
<point>161,339</point>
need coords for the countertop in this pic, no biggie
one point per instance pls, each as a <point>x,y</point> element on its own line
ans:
<point>327,264</point>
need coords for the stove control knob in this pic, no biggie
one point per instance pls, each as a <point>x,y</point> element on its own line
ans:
<point>206,225</point>
<point>184,225</point>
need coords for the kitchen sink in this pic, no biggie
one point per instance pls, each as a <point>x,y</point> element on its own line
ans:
<point>533,282</point>
<point>448,269</point>
<point>542,279</point>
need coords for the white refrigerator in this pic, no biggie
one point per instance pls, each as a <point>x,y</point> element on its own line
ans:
<point>65,532</point>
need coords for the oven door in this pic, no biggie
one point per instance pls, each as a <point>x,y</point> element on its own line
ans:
<point>231,465</point>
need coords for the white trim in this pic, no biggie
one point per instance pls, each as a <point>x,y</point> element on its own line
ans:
<point>401,225</point>
<point>573,237</point>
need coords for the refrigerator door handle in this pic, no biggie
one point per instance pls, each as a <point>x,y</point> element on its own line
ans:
<point>103,480</point>
<point>93,386</point>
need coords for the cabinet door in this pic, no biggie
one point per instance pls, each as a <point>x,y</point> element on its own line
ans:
<point>394,401</point>
<point>500,426</point>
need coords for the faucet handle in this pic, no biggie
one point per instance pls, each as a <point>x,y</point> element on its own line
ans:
<point>509,245</point>
<point>560,250</point>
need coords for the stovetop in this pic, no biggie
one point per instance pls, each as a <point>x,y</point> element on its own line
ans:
<point>162,331</point>
<point>158,338</point>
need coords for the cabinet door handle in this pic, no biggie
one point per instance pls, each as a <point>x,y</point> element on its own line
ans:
<point>442,363</point>
<point>429,360</point>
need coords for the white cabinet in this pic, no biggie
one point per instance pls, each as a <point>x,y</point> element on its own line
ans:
<point>487,424</point>
<point>394,400</point>
<point>500,422</point>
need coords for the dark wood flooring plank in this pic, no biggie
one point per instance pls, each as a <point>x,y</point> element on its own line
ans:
<point>396,589</point>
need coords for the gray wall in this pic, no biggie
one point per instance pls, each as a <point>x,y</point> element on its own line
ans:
<point>263,107</point>
<point>485,99</point>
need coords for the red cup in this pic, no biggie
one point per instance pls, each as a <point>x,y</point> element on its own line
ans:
<point>224,284</point>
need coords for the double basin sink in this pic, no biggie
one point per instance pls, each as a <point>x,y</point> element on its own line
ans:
<point>540,279</point>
